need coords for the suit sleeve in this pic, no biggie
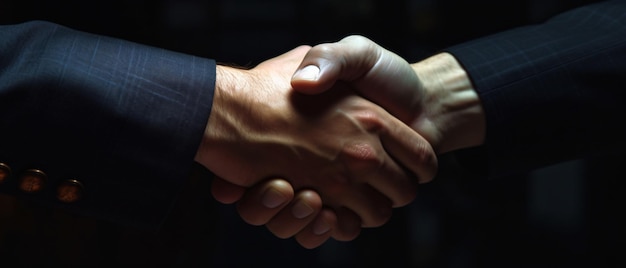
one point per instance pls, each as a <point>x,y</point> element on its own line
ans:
<point>122,118</point>
<point>552,92</point>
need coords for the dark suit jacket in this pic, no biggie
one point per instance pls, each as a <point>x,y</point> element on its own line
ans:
<point>123,118</point>
<point>551,92</point>
<point>133,115</point>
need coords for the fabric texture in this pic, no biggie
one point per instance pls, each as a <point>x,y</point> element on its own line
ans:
<point>123,118</point>
<point>551,92</point>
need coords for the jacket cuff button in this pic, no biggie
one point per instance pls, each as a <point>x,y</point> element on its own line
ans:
<point>5,172</point>
<point>32,181</point>
<point>70,191</point>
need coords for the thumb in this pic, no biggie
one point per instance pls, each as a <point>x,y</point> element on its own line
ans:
<point>315,77</point>
<point>306,79</point>
<point>347,60</point>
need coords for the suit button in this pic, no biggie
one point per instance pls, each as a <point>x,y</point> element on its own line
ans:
<point>32,181</point>
<point>5,172</point>
<point>70,191</point>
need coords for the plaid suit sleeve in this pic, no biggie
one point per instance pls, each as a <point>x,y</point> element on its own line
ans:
<point>554,91</point>
<point>123,118</point>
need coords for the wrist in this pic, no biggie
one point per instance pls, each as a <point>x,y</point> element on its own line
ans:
<point>246,109</point>
<point>453,113</point>
<point>222,125</point>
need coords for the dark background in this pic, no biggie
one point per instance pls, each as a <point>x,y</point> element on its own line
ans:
<point>567,215</point>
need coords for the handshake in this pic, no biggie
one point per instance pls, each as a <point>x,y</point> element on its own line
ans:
<point>322,141</point>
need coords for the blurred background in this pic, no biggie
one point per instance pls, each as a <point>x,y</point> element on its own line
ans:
<point>565,215</point>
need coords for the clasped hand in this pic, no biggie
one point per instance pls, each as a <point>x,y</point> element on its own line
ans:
<point>350,161</point>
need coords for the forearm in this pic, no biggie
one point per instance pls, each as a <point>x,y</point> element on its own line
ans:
<point>554,91</point>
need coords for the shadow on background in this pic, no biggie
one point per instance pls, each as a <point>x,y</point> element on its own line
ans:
<point>565,215</point>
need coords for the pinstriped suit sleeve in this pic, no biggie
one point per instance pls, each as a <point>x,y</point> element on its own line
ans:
<point>552,92</point>
<point>123,118</point>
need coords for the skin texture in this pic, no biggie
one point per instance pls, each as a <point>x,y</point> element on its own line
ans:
<point>359,158</point>
<point>433,96</point>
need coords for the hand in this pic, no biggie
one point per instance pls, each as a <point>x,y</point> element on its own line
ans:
<point>271,203</point>
<point>332,143</point>
<point>433,96</point>
<point>374,72</point>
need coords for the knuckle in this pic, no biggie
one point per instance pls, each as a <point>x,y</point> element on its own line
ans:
<point>326,49</point>
<point>356,39</point>
<point>362,156</point>
<point>371,120</point>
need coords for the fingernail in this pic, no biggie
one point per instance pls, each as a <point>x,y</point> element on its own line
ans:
<point>272,198</point>
<point>310,72</point>
<point>300,210</point>
<point>320,227</point>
